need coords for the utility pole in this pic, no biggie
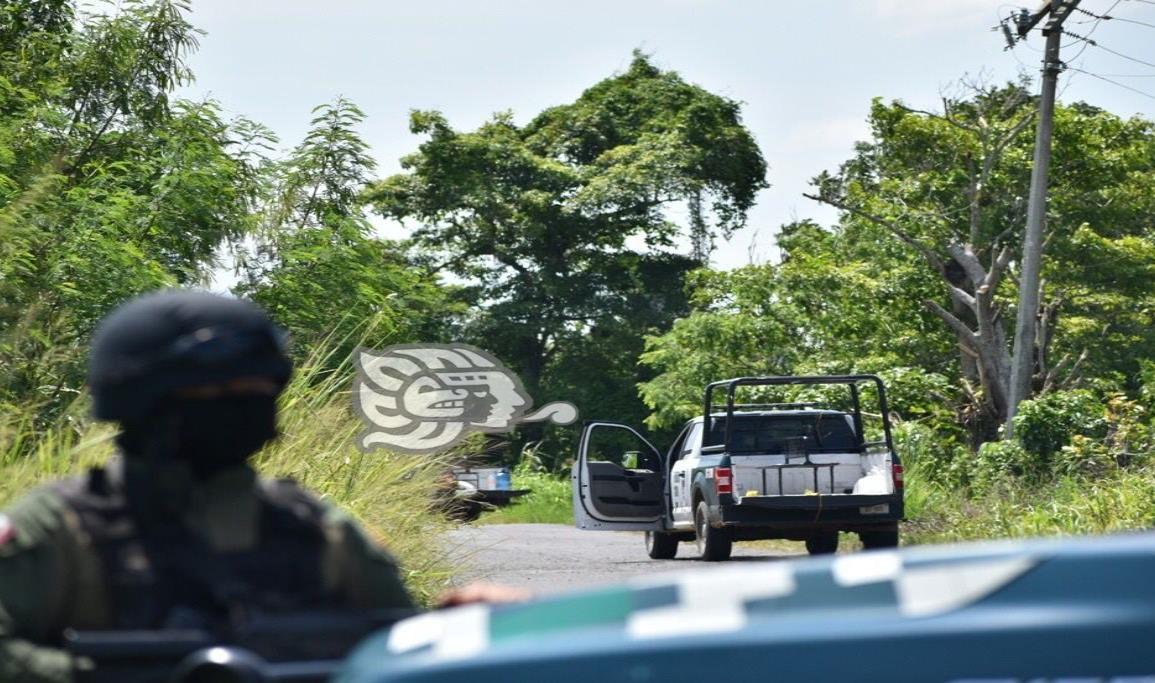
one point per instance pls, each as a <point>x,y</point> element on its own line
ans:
<point>1023,360</point>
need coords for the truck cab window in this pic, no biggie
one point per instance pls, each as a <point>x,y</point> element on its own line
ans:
<point>676,450</point>
<point>692,439</point>
<point>786,433</point>
<point>621,447</point>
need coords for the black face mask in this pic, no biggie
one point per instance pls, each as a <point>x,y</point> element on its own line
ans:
<point>207,434</point>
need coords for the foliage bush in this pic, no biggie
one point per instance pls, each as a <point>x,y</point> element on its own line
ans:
<point>1147,384</point>
<point>1099,479</point>
<point>915,393</point>
<point>548,502</point>
<point>1072,436</point>
<point>1001,460</point>
<point>1130,433</point>
<point>1046,424</point>
<point>1084,457</point>
<point>926,450</point>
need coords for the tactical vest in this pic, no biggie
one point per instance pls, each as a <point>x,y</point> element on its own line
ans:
<point>163,575</point>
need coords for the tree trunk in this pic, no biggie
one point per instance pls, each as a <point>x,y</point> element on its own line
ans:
<point>986,338</point>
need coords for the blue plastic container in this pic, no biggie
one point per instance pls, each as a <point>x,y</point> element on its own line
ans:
<point>503,479</point>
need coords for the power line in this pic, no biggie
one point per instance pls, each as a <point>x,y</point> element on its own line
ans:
<point>1104,47</point>
<point>1091,14</point>
<point>1132,21</point>
<point>1098,20</point>
<point>1087,42</point>
<point>1121,85</point>
<point>1120,54</point>
<point>1106,16</point>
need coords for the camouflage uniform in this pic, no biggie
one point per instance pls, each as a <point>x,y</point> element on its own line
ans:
<point>179,532</point>
<point>52,576</point>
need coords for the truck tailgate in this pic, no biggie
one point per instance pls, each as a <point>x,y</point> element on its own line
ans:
<point>786,475</point>
<point>869,504</point>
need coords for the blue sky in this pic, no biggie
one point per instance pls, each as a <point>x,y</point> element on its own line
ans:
<point>806,70</point>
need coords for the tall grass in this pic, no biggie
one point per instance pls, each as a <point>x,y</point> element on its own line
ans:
<point>390,493</point>
<point>1014,508</point>
<point>387,492</point>
<point>31,455</point>
<point>548,502</point>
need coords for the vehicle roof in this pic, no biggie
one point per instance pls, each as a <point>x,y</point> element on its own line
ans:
<point>961,612</point>
<point>763,413</point>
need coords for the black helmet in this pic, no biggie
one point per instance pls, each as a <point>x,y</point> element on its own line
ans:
<point>161,342</point>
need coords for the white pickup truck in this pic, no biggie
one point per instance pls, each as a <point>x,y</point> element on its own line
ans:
<point>798,471</point>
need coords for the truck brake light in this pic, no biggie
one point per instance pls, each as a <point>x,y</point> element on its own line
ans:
<point>723,480</point>
<point>898,483</point>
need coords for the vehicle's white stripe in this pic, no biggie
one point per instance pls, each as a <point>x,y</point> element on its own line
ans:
<point>415,632</point>
<point>466,632</point>
<point>936,589</point>
<point>872,567</point>
<point>712,601</point>
<point>453,634</point>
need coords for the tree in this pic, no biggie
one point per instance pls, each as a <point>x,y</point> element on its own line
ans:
<point>823,309</point>
<point>317,267</point>
<point>599,371</point>
<point>545,220</point>
<point>739,327</point>
<point>949,186</point>
<point>108,186</point>
<point>907,282</point>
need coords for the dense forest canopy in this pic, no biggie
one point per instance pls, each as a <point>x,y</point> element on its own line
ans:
<point>542,221</point>
<point>575,245</point>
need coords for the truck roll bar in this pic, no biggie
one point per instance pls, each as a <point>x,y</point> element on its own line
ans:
<point>852,381</point>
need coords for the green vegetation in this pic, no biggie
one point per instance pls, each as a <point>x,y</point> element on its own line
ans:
<point>1065,506</point>
<point>550,501</point>
<point>1076,466</point>
<point>388,492</point>
<point>911,284</point>
<point>541,221</point>
<point>563,236</point>
<point>317,267</point>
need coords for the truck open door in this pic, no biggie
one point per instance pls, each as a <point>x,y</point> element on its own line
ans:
<point>619,481</point>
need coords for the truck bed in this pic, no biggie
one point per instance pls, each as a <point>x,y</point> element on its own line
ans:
<point>827,474</point>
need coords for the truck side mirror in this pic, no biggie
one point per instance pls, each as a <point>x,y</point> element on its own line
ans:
<point>630,460</point>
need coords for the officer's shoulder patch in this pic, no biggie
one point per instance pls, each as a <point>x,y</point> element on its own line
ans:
<point>7,530</point>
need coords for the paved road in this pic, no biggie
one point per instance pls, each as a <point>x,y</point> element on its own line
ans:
<point>548,558</point>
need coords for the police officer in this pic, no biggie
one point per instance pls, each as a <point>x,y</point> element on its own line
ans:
<point>178,531</point>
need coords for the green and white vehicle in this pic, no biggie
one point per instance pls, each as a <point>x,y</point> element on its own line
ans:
<point>741,471</point>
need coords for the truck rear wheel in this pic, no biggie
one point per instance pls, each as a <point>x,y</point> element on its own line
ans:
<point>714,545</point>
<point>879,539</point>
<point>660,546</point>
<point>822,543</point>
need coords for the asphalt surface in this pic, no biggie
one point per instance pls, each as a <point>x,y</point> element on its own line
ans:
<point>551,558</point>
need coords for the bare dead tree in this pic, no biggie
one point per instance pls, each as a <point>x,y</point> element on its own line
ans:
<point>971,268</point>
